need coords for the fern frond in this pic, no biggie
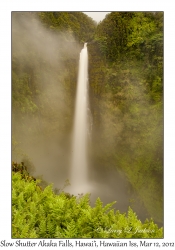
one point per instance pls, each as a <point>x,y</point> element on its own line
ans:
<point>71,231</point>
<point>42,229</point>
<point>50,228</point>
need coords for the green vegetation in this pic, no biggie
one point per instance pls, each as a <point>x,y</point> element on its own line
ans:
<point>126,79</point>
<point>45,53</point>
<point>126,99</point>
<point>40,213</point>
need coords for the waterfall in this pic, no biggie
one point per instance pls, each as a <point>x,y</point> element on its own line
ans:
<point>79,172</point>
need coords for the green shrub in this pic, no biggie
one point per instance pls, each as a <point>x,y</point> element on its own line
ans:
<point>38,213</point>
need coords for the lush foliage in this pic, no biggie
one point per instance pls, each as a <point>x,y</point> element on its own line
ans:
<point>126,78</point>
<point>80,25</point>
<point>38,213</point>
<point>45,51</point>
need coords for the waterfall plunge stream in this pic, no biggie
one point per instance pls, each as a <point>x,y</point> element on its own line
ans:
<point>79,173</point>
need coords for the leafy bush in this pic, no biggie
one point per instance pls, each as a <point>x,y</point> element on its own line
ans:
<point>38,213</point>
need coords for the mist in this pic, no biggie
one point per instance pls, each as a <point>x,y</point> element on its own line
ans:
<point>126,135</point>
<point>43,147</point>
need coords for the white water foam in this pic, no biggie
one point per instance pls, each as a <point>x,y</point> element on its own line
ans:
<point>79,171</point>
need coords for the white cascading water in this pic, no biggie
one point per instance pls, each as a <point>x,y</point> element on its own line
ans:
<point>79,174</point>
